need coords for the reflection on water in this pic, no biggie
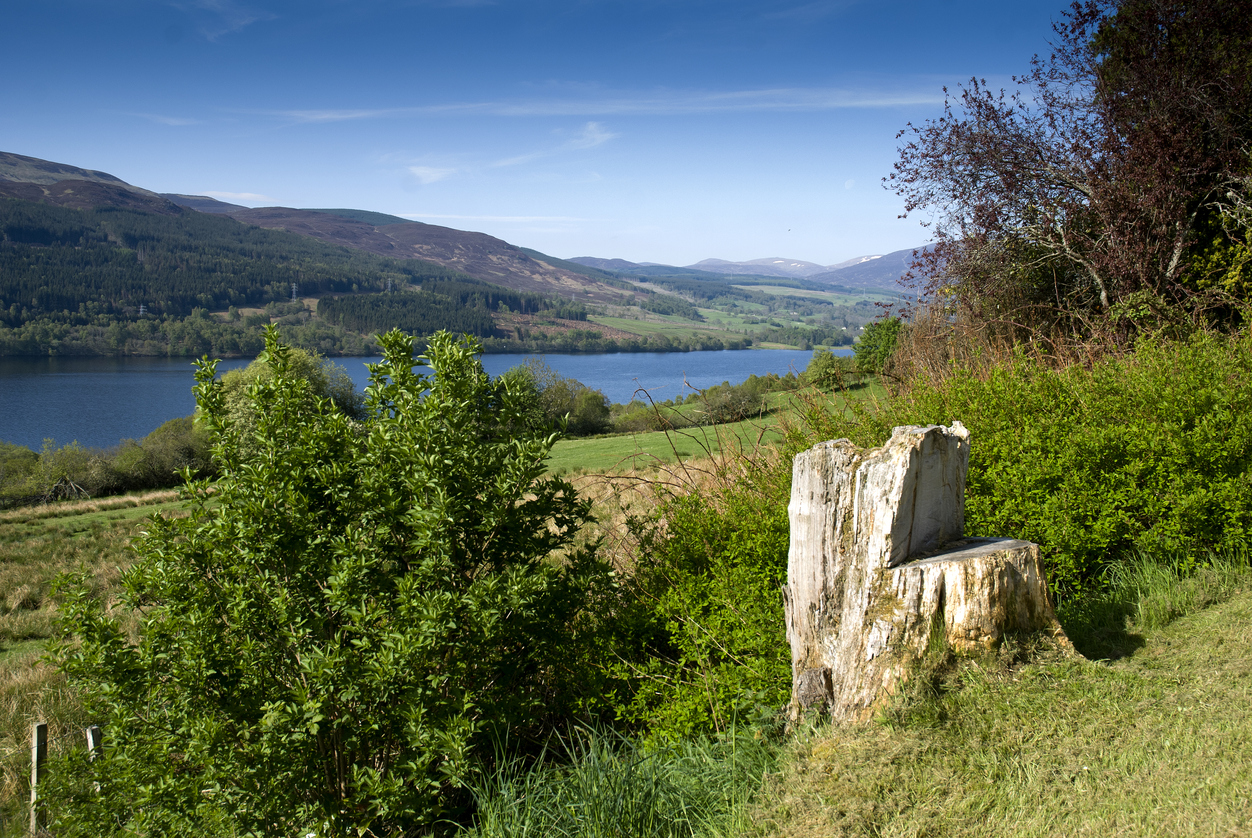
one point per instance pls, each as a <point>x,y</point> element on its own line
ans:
<point>100,401</point>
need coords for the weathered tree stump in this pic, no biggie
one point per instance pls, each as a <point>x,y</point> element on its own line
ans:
<point>879,571</point>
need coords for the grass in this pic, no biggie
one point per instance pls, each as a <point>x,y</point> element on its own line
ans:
<point>635,451</point>
<point>614,787</point>
<point>1151,742</point>
<point>36,545</point>
<point>836,297</point>
<point>674,327</point>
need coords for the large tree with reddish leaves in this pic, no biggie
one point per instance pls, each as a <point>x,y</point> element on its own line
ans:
<point>1110,178</point>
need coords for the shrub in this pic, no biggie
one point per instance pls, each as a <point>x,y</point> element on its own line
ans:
<point>332,636</point>
<point>827,370</point>
<point>704,641</point>
<point>1150,452</point>
<point>561,402</point>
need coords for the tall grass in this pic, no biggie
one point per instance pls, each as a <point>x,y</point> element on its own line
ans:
<point>612,787</point>
<point>1147,592</point>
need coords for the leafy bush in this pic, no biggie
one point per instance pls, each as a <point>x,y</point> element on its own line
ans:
<point>72,471</point>
<point>730,403</point>
<point>1150,452</point>
<point>333,635</point>
<point>704,639</point>
<point>827,370</point>
<point>561,402</point>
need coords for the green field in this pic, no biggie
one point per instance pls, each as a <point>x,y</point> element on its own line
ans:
<point>658,324</point>
<point>837,297</point>
<point>636,451</point>
<point>640,451</point>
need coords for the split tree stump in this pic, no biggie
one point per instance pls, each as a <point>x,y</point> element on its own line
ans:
<point>879,571</point>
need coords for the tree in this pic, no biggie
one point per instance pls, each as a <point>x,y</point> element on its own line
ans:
<point>328,640</point>
<point>877,345</point>
<point>326,379</point>
<point>1092,185</point>
<point>826,370</point>
<point>562,402</point>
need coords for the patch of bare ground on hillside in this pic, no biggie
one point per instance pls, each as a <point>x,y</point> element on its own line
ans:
<point>1156,743</point>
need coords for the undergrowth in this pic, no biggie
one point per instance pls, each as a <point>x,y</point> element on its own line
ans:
<point>608,786</point>
<point>1096,462</point>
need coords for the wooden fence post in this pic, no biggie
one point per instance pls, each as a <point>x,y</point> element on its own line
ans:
<point>38,756</point>
<point>95,745</point>
<point>95,740</point>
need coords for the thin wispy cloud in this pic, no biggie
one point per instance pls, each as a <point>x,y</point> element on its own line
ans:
<point>221,17</point>
<point>592,135</point>
<point>430,174</point>
<point>675,103</point>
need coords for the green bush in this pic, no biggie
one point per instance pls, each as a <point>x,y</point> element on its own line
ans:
<point>72,471</point>
<point>17,465</point>
<point>561,402</point>
<point>827,370</point>
<point>703,639</point>
<point>1150,452</point>
<point>334,635</point>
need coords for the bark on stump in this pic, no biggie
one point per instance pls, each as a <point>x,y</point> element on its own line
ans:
<point>879,571</point>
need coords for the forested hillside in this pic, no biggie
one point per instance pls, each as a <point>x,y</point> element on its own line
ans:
<point>463,307</point>
<point>108,280</point>
<point>65,264</point>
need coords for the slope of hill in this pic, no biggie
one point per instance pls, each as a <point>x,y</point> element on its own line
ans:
<point>884,272</point>
<point>603,264</point>
<point>22,169</point>
<point>88,194</point>
<point>202,203</point>
<point>478,255</point>
<point>64,263</point>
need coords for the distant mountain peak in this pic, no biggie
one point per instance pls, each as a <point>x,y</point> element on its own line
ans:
<point>769,266</point>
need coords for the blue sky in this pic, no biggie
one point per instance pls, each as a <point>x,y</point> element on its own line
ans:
<point>651,131</point>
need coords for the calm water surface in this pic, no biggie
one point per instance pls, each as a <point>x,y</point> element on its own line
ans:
<point>100,401</point>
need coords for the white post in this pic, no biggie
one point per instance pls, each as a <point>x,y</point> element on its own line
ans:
<point>38,756</point>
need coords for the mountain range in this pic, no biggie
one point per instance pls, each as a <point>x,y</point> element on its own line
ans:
<point>876,272</point>
<point>484,257</point>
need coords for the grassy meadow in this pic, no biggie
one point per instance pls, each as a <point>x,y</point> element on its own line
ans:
<point>37,544</point>
<point>1145,733</point>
